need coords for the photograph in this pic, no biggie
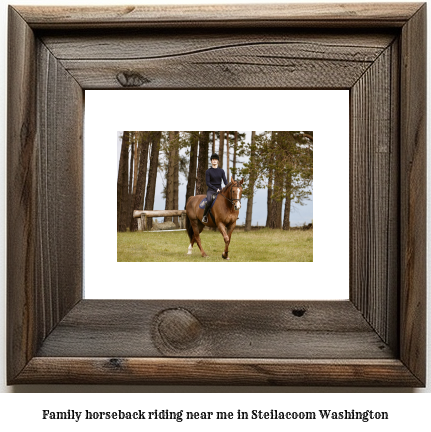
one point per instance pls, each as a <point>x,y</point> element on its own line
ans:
<point>219,195</point>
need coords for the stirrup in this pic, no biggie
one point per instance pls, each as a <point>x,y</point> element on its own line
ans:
<point>205,219</point>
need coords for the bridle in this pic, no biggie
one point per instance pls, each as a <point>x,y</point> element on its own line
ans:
<point>232,200</point>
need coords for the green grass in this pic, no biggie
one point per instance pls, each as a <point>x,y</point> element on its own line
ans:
<point>262,245</point>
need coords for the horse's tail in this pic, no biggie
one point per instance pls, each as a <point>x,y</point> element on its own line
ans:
<point>189,228</point>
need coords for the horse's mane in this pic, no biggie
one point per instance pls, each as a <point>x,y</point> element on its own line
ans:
<point>229,184</point>
<point>226,187</point>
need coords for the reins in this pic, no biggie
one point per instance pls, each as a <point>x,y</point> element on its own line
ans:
<point>232,200</point>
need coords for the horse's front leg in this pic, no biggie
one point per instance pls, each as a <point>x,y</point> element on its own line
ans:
<point>226,238</point>
<point>230,229</point>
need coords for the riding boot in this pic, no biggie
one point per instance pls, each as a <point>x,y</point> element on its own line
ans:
<point>207,207</point>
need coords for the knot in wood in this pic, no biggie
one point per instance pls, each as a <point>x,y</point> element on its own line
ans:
<point>131,79</point>
<point>298,312</point>
<point>178,328</point>
<point>115,363</point>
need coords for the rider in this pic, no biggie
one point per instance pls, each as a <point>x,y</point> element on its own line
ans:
<point>213,178</point>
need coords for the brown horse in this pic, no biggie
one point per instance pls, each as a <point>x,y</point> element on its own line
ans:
<point>225,211</point>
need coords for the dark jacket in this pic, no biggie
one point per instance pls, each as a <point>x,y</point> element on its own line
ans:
<point>213,178</point>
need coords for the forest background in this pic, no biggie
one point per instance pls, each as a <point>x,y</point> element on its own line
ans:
<point>277,167</point>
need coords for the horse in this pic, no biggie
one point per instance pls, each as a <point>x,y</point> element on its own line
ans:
<point>225,211</point>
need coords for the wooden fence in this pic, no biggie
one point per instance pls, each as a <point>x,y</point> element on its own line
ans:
<point>143,215</point>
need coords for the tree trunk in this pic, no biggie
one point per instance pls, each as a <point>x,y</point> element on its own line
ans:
<point>234,153</point>
<point>269,200</point>
<point>144,139</point>
<point>131,170</point>
<point>169,203</point>
<point>136,161</point>
<point>277,208</point>
<point>278,181</point>
<point>220,149</point>
<point>248,217</point>
<point>214,140</point>
<point>191,180</point>
<point>132,159</point>
<point>122,183</point>
<point>227,156</point>
<point>176,157</point>
<point>202,163</point>
<point>270,182</point>
<point>286,219</point>
<point>152,176</point>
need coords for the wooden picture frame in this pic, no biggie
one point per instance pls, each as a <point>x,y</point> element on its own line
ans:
<point>376,338</point>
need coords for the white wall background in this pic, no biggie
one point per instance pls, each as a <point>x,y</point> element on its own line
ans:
<point>25,409</point>
<point>321,111</point>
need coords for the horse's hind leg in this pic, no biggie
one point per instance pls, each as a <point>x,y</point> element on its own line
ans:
<point>190,248</point>
<point>197,238</point>
<point>192,242</point>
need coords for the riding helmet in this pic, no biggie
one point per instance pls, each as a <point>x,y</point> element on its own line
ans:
<point>214,156</point>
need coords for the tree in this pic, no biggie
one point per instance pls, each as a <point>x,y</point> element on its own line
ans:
<point>122,184</point>
<point>269,216</point>
<point>235,145</point>
<point>202,163</point>
<point>227,155</point>
<point>240,148</point>
<point>132,172</point>
<point>170,155</point>
<point>301,178</point>
<point>220,149</point>
<point>280,161</point>
<point>176,180</point>
<point>152,175</point>
<point>144,138</point>
<point>136,150</point>
<point>298,170</point>
<point>252,177</point>
<point>293,173</point>
<point>191,179</point>
<point>288,201</point>
<point>278,189</point>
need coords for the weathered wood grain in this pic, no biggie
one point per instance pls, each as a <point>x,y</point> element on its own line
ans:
<point>392,300</point>
<point>373,194</point>
<point>413,173</point>
<point>140,44</point>
<point>235,329</point>
<point>217,371</point>
<point>225,60</point>
<point>21,194</point>
<point>230,68</point>
<point>299,14</point>
<point>59,183</point>
<point>44,193</point>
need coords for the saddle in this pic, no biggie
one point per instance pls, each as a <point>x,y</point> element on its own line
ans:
<point>204,201</point>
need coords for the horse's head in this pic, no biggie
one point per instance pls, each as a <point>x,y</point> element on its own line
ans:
<point>236,193</point>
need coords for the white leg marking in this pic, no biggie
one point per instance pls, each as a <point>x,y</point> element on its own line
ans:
<point>189,249</point>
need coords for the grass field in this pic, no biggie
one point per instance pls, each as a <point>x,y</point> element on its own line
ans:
<point>262,245</point>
